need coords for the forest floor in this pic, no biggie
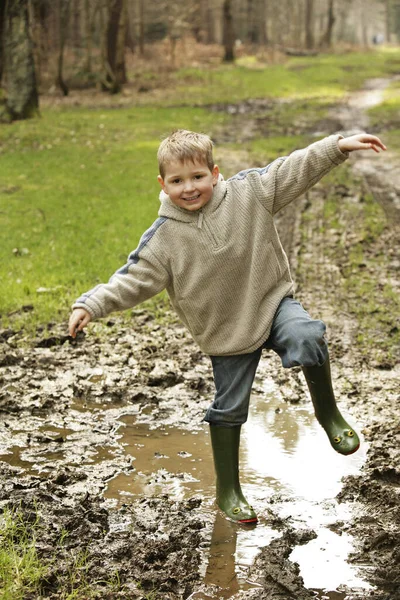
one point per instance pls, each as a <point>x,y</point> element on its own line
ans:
<point>71,408</point>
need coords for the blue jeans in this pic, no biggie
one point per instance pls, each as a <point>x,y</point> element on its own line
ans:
<point>295,337</point>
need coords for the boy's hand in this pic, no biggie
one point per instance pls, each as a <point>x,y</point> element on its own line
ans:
<point>363,141</point>
<point>78,320</point>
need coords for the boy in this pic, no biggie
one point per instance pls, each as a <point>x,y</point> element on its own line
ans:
<point>215,249</point>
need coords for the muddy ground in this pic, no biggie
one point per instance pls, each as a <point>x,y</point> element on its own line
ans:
<point>62,402</point>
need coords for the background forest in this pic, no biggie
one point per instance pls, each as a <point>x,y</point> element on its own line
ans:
<point>55,46</point>
<point>69,178</point>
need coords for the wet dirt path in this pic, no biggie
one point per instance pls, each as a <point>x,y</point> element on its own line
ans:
<point>103,438</point>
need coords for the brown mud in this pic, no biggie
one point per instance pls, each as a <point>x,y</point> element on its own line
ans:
<point>75,417</point>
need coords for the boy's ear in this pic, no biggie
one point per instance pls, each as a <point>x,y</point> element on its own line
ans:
<point>215,174</point>
<point>161,181</point>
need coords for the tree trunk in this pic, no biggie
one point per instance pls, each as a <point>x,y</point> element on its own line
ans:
<point>141,27</point>
<point>40,34</point>
<point>228,34</point>
<point>309,22</point>
<point>120,67</point>
<point>264,23</point>
<point>63,14</point>
<point>387,23</point>
<point>210,29</point>
<point>19,67</point>
<point>75,27</point>
<point>251,28</point>
<point>110,81</point>
<point>2,18</point>
<point>341,28</point>
<point>326,40</point>
<point>196,22</point>
<point>129,34</point>
<point>364,25</point>
<point>87,36</point>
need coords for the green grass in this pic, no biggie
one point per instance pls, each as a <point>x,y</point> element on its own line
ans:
<point>78,186</point>
<point>387,114</point>
<point>386,117</point>
<point>24,574</point>
<point>21,570</point>
<point>325,75</point>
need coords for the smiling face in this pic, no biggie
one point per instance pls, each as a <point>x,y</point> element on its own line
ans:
<point>189,184</point>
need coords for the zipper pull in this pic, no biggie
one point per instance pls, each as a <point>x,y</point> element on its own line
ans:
<point>200,220</point>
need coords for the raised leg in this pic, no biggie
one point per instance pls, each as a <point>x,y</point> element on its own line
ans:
<point>342,437</point>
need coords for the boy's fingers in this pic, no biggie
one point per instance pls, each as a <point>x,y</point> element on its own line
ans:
<point>73,329</point>
<point>371,146</point>
<point>376,148</point>
<point>77,323</point>
<point>81,323</point>
<point>376,142</point>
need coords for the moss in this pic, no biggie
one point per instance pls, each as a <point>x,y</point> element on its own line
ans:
<point>386,116</point>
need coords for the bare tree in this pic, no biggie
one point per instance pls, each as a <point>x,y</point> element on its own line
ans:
<point>120,66</point>
<point>264,14</point>
<point>2,18</point>
<point>228,33</point>
<point>326,40</point>
<point>388,19</point>
<point>63,18</point>
<point>212,9</point>
<point>141,26</point>
<point>87,34</point>
<point>297,17</point>
<point>113,54</point>
<point>251,26</point>
<point>19,68</point>
<point>309,24</point>
<point>40,12</point>
<point>364,23</point>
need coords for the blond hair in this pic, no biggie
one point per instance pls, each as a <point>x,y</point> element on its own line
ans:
<point>184,145</point>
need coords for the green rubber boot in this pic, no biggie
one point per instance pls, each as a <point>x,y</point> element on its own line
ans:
<point>225,444</point>
<point>341,436</point>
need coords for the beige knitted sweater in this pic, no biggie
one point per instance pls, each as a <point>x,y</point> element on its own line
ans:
<point>223,267</point>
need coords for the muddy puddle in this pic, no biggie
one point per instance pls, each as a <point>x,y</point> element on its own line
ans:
<point>288,470</point>
<point>130,452</point>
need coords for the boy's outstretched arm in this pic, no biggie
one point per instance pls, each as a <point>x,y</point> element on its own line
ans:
<point>289,177</point>
<point>143,276</point>
<point>362,141</point>
<point>78,320</point>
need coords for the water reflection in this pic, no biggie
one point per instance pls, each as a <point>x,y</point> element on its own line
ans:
<point>221,567</point>
<point>291,448</point>
<point>226,570</point>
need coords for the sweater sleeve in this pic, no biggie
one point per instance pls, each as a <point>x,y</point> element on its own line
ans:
<point>142,277</point>
<point>289,177</point>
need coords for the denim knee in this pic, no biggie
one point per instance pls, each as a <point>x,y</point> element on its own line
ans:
<point>307,346</point>
<point>226,418</point>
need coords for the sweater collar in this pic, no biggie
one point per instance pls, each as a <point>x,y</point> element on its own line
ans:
<point>170,210</point>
